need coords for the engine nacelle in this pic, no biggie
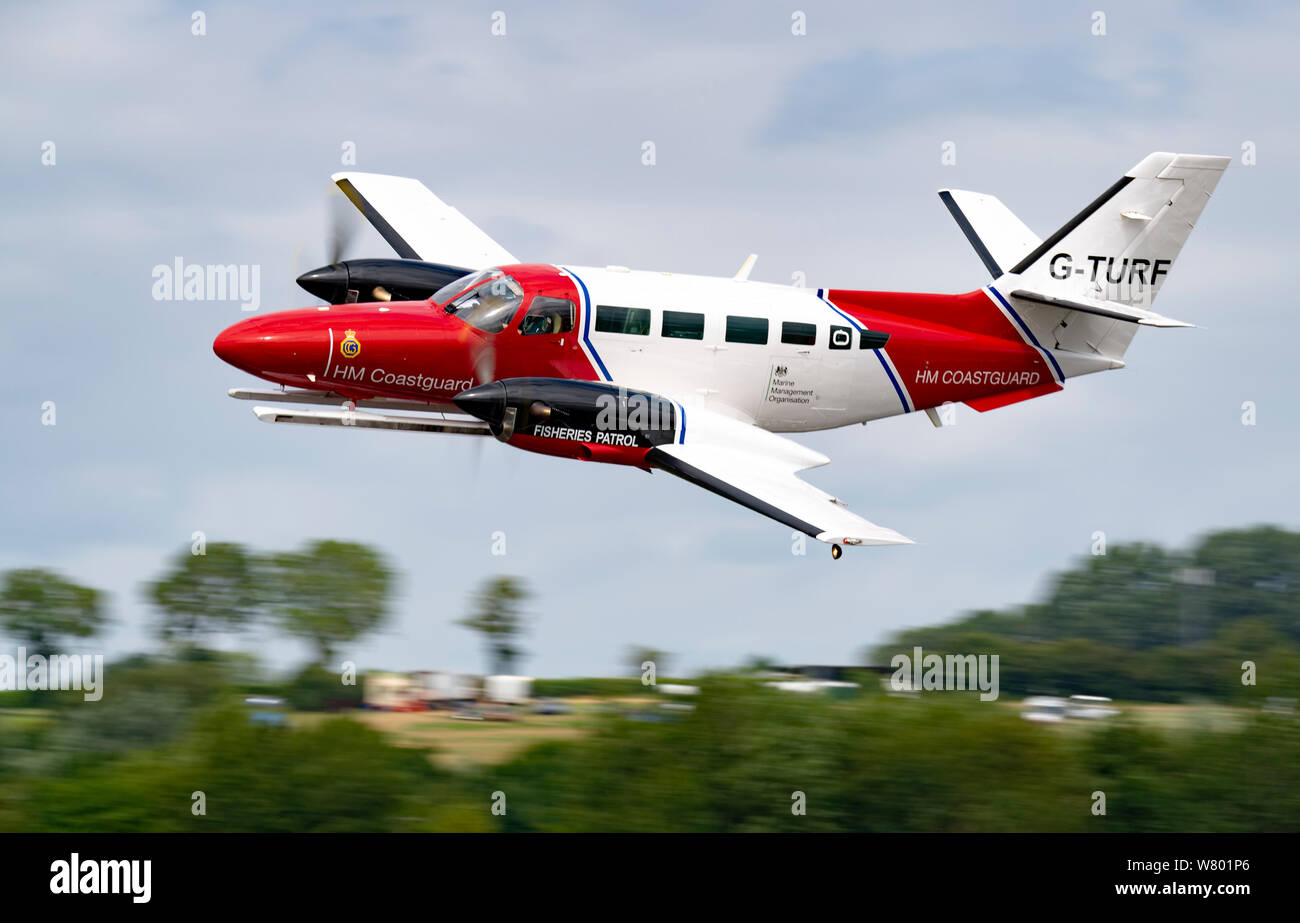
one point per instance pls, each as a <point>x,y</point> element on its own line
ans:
<point>589,420</point>
<point>379,280</point>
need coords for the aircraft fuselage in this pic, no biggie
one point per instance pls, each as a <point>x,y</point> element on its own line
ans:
<point>787,359</point>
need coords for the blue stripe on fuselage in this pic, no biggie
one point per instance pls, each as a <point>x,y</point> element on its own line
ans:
<point>884,364</point>
<point>586,323</point>
<point>1060,376</point>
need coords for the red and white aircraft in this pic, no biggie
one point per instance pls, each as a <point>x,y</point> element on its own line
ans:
<point>697,376</point>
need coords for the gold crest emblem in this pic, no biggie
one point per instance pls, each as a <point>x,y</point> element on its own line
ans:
<point>350,348</point>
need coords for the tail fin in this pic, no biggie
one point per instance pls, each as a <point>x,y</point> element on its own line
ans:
<point>1121,247</point>
<point>1000,238</point>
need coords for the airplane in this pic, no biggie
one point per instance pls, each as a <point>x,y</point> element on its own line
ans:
<point>701,377</point>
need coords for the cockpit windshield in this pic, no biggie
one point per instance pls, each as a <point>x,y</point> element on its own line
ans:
<point>486,300</point>
<point>456,286</point>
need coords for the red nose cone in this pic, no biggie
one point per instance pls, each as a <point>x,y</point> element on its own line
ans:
<point>235,344</point>
<point>283,347</point>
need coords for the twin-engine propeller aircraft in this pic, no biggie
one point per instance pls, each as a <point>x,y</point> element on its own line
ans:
<point>697,376</point>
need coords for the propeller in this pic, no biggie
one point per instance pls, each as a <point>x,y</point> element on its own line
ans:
<point>485,360</point>
<point>331,281</point>
<point>343,224</point>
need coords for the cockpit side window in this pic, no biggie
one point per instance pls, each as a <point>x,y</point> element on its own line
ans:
<point>457,286</point>
<point>548,315</point>
<point>490,304</point>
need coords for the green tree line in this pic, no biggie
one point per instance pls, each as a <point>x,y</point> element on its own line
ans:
<point>1166,623</point>
<point>747,759</point>
<point>327,593</point>
<point>1145,623</point>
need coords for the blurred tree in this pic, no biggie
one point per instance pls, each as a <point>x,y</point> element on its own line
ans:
<point>1141,622</point>
<point>315,688</point>
<point>1252,573</point>
<point>330,592</point>
<point>202,595</point>
<point>329,776</point>
<point>497,616</point>
<point>38,607</point>
<point>1127,597</point>
<point>638,654</point>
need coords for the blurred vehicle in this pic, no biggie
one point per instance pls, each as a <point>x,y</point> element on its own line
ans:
<point>444,688</point>
<point>649,716</point>
<point>419,690</point>
<point>837,689</point>
<point>676,689</point>
<point>508,690</point>
<point>546,705</point>
<point>1043,708</point>
<point>1089,707</point>
<point>266,710</point>
<point>675,692</point>
<point>392,692</point>
<point>902,689</point>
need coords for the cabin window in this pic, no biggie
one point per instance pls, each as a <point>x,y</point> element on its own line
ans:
<point>747,330</point>
<point>841,337</point>
<point>548,315</point>
<point>683,325</point>
<point>873,339</point>
<point>798,334</point>
<point>610,319</point>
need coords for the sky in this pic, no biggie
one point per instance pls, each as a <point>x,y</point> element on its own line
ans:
<point>821,152</point>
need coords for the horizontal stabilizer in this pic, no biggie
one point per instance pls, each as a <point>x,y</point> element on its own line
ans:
<point>1111,309</point>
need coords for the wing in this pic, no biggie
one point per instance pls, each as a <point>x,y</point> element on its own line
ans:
<point>758,469</point>
<point>418,224</point>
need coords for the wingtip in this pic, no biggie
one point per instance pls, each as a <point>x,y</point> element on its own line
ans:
<point>882,536</point>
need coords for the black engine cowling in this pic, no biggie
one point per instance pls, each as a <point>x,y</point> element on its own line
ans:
<point>588,412</point>
<point>379,280</point>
